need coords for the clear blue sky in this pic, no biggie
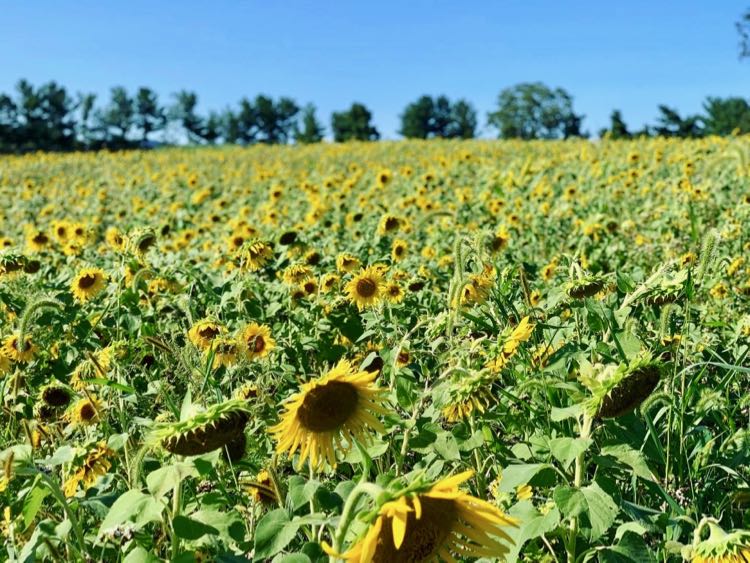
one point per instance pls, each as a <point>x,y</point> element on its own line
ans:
<point>629,55</point>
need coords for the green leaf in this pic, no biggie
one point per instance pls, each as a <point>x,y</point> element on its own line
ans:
<point>631,548</point>
<point>566,449</point>
<point>292,558</point>
<point>132,506</point>
<point>559,414</point>
<point>273,533</point>
<point>447,447</point>
<point>164,479</point>
<point>302,494</point>
<point>533,524</point>
<point>189,529</point>
<point>520,474</point>
<point>595,507</point>
<point>230,525</point>
<point>63,454</point>
<point>140,555</point>
<point>630,457</point>
<point>32,502</point>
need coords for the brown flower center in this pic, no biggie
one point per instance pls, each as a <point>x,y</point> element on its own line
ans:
<point>366,287</point>
<point>208,333</point>
<point>87,412</point>
<point>328,407</point>
<point>86,281</point>
<point>258,344</point>
<point>41,238</point>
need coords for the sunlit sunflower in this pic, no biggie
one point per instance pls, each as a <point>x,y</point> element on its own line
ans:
<point>226,351</point>
<point>296,273</point>
<point>255,254</point>
<point>5,364</point>
<point>264,489</point>
<point>37,240</point>
<point>257,341</point>
<point>328,282</point>
<point>88,283</point>
<point>500,240</point>
<point>389,224</point>
<point>720,546</point>
<point>510,344</point>
<point>393,292</point>
<point>95,465</point>
<point>56,395</point>
<point>436,523</point>
<point>347,263</point>
<point>328,413</point>
<point>13,351</point>
<point>115,239</point>
<point>365,288</point>
<point>202,333</point>
<point>86,411</point>
<point>398,249</point>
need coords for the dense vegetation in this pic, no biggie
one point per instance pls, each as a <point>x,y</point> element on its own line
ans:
<point>377,350</point>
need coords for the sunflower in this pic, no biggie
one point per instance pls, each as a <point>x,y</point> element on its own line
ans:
<point>88,283</point>
<point>255,254</point>
<point>13,351</point>
<point>439,522</point>
<point>499,240</point>
<point>341,405</point>
<point>328,282</point>
<point>11,263</point>
<point>55,395</point>
<point>5,364</point>
<point>115,239</point>
<point>398,249</point>
<point>257,341</point>
<point>389,224</point>
<point>394,293</point>
<point>202,333</point>
<point>94,466</point>
<point>510,344</point>
<point>226,351</point>
<point>347,263</point>
<point>720,546</point>
<point>204,431</point>
<point>86,411</point>
<point>263,489</point>
<point>37,240</point>
<point>296,274</point>
<point>365,288</point>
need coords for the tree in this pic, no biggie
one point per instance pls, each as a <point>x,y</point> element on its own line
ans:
<point>184,112</point>
<point>534,111</point>
<point>743,29</point>
<point>463,121</point>
<point>617,128</point>
<point>85,129</point>
<point>118,115</point>
<point>353,124</point>
<point>211,131</point>
<point>149,115</point>
<point>723,116</point>
<point>230,127</point>
<point>8,124</point>
<point>312,130</point>
<point>670,124</point>
<point>275,121</point>
<point>44,117</point>
<point>428,117</point>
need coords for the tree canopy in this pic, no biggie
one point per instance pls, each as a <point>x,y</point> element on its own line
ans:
<point>437,117</point>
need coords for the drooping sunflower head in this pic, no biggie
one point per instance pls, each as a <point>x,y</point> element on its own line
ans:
<point>204,431</point>
<point>617,390</point>
<point>14,351</point>
<point>11,263</point>
<point>55,395</point>
<point>203,333</point>
<point>365,288</point>
<point>467,394</point>
<point>720,546</point>
<point>389,224</point>
<point>140,241</point>
<point>263,489</point>
<point>331,411</point>
<point>96,464</point>
<point>257,341</point>
<point>346,262</point>
<point>296,274</point>
<point>86,411</point>
<point>587,285</point>
<point>88,283</point>
<point>431,522</point>
<point>254,254</point>
<point>226,350</point>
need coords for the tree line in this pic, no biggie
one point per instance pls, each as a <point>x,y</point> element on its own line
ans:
<point>49,118</point>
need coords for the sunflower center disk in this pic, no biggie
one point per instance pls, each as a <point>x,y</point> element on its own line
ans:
<point>328,407</point>
<point>87,281</point>
<point>258,344</point>
<point>424,537</point>
<point>366,287</point>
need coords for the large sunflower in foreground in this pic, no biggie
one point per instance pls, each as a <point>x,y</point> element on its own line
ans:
<point>436,523</point>
<point>341,405</point>
<point>88,283</point>
<point>365,288</point>
<point>720,546</point>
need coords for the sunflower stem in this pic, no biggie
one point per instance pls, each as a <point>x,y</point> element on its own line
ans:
<point>580,468</point>
<point>347,515</point>
<point>176,505</point>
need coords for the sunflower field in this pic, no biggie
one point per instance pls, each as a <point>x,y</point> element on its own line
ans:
<point>395,351</point>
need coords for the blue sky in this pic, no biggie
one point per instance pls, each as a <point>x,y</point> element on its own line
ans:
<point>628,55</point>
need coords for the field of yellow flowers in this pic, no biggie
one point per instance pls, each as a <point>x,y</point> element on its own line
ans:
<point>396,351</point>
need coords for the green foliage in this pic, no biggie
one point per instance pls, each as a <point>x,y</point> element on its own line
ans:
<point>353,124</point>
<point>726,116</point>
<point>312,130</point>
<point>532,110</point>
<point>428,117</point>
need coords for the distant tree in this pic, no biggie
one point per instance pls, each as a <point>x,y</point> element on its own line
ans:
<point>670,124</point>
<point>184,112</point>
<point>45,119</point>
<point>416,121</point>
<point>428,117</point>
<point>723,116</point>
<point>8,124</point>
<point>353,124</point>
<point>743,29</point>
<point>230,127</point>
<point>534,111</point>
<point>116,120</point>
<point>617,127</point>
<point>463,121</point>
<point>275,121</point>
<point>211,130</point>
<point>86,129</point>
<point>149,115</point>
<point>312,130</point>
<point>247,122</point>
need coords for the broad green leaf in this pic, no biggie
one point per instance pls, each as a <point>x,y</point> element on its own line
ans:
<point>63,454</point>
<point>566,449</point>
<point>564,413</point>
<point>521,474</point>
<point>32,502</point>
<point>273,533</point>
<point>595,507</point>
<point>164,479</point>
<point>630,549</point>
<point>132,506</point>
<point>532,524</point>
<point>190,529</point>
<point>140,555</point>
<point>447,447</point>
<point>630,457</point>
